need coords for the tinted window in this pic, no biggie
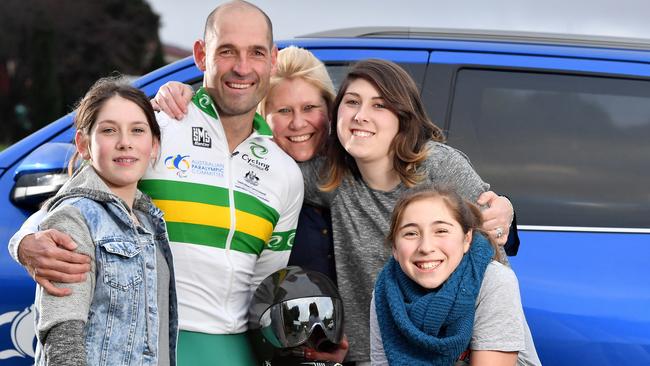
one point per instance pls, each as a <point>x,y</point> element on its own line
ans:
<point>338,71</point>
<point>569,150</point>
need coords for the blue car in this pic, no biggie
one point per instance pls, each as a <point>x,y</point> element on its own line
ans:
<point>561,126</point>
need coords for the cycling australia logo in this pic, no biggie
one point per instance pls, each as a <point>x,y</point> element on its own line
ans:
<point>259,151</point>
<point>277,242</point>
<point>204,101</point>
<point>257,156</point>
<point>179,163</point>
<point>22,333</point>
<point>184,165</point>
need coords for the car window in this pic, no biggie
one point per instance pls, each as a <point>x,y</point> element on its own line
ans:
<point>338,71</point>
<point>569,150</point>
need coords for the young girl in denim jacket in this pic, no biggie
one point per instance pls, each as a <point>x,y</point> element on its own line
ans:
<point>124,313</point>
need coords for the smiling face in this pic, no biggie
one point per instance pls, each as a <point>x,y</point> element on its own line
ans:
<point>429,242</point>
<point>237,58</point>
<point>119,145</point>
<point>297,113</point>
<point>365,127</point>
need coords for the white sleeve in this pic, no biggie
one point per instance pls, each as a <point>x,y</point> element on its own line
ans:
<point>499,323</point>
<point>377,353</point>
<point>275,254</point>
<point>30,226</point>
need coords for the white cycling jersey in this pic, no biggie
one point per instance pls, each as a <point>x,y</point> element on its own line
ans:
<point>231,217</point>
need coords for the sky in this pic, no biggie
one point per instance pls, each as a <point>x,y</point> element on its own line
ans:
<point>183,21</point>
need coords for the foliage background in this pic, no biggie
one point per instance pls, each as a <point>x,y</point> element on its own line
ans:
<point>51,52</point>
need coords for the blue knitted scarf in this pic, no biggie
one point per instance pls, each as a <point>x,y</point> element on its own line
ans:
<point>430,327</point>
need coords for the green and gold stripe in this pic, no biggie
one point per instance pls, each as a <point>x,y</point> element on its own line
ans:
<point>200,214</point>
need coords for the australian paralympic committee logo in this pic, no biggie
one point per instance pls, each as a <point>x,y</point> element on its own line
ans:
<point>22,333</point>
<point>184,165</point>
<point>178,162</point>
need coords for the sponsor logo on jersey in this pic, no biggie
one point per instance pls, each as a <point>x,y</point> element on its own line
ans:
<point>258,151</point>
<point>256,163</point>
<point>252,178</point>
<point>276,241</point>
<point>184,165</point>
<point>204,101</point>
<point>179,163</point>
<point>200,137</point>
<point>203,167</point>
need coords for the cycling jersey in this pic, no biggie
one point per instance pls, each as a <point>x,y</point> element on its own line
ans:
<point>231,217</point>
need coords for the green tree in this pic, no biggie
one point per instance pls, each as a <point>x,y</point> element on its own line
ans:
<point>52,51</point>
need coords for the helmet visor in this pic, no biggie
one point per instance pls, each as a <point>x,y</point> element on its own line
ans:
<point>291,323</point>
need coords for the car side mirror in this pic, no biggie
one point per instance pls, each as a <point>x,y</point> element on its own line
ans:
<point>41,174</point>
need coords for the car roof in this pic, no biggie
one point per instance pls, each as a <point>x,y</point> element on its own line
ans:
<point>505,42</point>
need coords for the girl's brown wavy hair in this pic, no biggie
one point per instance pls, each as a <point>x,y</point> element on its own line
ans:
<point>401,95</point>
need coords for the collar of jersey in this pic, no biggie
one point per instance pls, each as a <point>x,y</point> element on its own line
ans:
<point>204,102</point>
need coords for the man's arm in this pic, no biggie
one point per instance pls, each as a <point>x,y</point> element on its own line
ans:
<point>276,253</point>
<point>48,256</point>
<point>30,226</point>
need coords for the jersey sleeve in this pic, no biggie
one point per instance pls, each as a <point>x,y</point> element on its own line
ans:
<point>55,310</point>
<point>499,323</point>
<point>275,254</point>
<point>30,226</point>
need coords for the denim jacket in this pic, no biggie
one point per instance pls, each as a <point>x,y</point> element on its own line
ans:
<point>122,318</point>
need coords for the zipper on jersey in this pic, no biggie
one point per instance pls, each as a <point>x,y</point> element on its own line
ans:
<point>231,233</point>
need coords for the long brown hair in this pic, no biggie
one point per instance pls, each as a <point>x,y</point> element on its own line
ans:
<point>103,90</point>
<point>402,97</point>
<point>467,214</point>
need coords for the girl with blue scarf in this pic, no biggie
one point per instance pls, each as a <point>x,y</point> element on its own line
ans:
<point>445,297</point>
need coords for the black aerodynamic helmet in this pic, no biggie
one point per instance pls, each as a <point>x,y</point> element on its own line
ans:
<point>294,307</point>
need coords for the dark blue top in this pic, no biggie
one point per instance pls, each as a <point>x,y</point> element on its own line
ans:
<point>313,247</point>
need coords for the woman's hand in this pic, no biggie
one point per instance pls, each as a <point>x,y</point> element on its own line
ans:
<point>336,355</point>
<point>497,217</point>
<point>172,99</point>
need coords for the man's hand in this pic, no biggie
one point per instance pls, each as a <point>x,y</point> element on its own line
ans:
<point>497,217</point>
<point>335,356</point>
<point>172,99</point>
<point>49,256</point>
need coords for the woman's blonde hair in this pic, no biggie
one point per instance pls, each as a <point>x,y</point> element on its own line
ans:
<point>299,63</point>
